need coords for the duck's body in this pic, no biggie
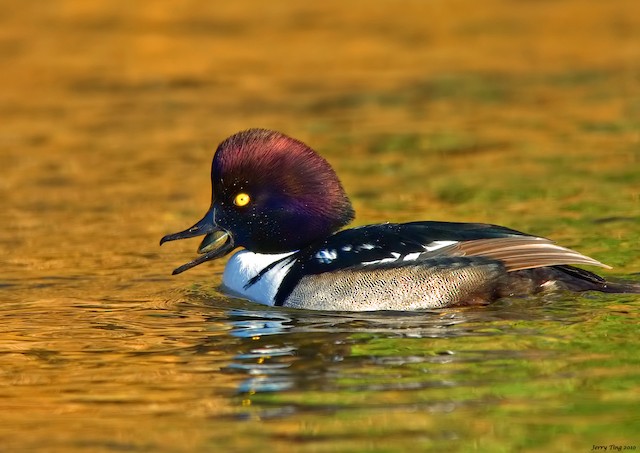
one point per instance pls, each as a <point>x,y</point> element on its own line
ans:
<point>409,266</point>
<point>283,203</point>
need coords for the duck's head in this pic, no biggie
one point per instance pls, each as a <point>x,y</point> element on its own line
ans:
<point>270,194</point>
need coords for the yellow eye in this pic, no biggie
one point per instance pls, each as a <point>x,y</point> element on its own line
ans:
<point>242,199</point>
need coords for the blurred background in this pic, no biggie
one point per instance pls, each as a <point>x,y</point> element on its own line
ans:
<point>521,113</point>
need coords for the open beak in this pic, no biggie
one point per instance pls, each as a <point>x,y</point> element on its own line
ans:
<point>216,243</point>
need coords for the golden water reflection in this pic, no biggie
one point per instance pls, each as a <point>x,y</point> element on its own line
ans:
<point>517,113</point>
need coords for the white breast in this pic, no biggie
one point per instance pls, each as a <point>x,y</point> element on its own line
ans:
<point>245,265</point>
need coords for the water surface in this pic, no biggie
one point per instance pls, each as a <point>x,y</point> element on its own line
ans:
<point>521,114</point>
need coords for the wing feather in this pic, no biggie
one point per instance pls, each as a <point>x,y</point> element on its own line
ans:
<point>524,252</point>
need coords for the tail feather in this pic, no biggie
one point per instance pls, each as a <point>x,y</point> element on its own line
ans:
<point>529,281</point>
<point>577,279</point>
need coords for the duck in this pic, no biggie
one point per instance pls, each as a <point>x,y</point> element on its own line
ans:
<point>282,205</point>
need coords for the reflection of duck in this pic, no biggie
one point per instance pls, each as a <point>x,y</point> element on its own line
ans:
<point>283,203</point>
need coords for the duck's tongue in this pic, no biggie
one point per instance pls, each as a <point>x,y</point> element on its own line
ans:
<point>216,243</point>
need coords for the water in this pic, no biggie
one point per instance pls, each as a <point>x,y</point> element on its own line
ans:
<point>199,372</point>
<point>110,113</point>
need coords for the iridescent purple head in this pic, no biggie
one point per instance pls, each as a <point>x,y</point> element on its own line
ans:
<point>271,194</point>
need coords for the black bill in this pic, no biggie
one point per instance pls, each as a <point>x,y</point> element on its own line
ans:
<point>216,243</point>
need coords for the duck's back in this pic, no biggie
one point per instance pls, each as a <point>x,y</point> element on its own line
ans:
<point>417,265</point>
